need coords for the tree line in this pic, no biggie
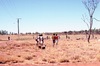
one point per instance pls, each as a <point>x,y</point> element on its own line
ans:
<point>94,31</point>
<point>3,32</point>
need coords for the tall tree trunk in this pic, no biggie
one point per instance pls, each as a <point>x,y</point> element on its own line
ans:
<point>89,38</point>
<point>90,30</point>
<point>89,35</point>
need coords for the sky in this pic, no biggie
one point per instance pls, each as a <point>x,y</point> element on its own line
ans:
<point>44,15</point>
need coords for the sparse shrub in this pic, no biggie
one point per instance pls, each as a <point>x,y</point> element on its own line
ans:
<point>76,57</point>
<point>19,56</point>
<point>44,59</point>
<point>10,59</point>
<point>36,62</point>
<point>3,59</point>
<point>64,60</point>
<point>51,61</point>
<point>15,59</point>
<point>34,55</point>
<point>28,57</point>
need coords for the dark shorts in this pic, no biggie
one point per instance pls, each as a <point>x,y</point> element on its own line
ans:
<point>53,41</point>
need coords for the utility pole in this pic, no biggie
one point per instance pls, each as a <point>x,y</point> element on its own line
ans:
<point>18,26</point>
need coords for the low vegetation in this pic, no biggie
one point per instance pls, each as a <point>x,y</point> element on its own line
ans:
<point>67,51</point>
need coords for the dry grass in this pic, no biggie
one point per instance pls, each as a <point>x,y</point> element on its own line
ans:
<point>67,50</point>
<point>10,59</point>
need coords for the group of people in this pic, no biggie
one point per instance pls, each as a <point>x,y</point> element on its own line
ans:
<point>40,40</point>
<point>55,38</point>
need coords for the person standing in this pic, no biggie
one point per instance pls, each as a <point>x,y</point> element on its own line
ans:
<point>40,39</point>
<point>53,39</point>
<point>56,39</point>
<point>8,37</point>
